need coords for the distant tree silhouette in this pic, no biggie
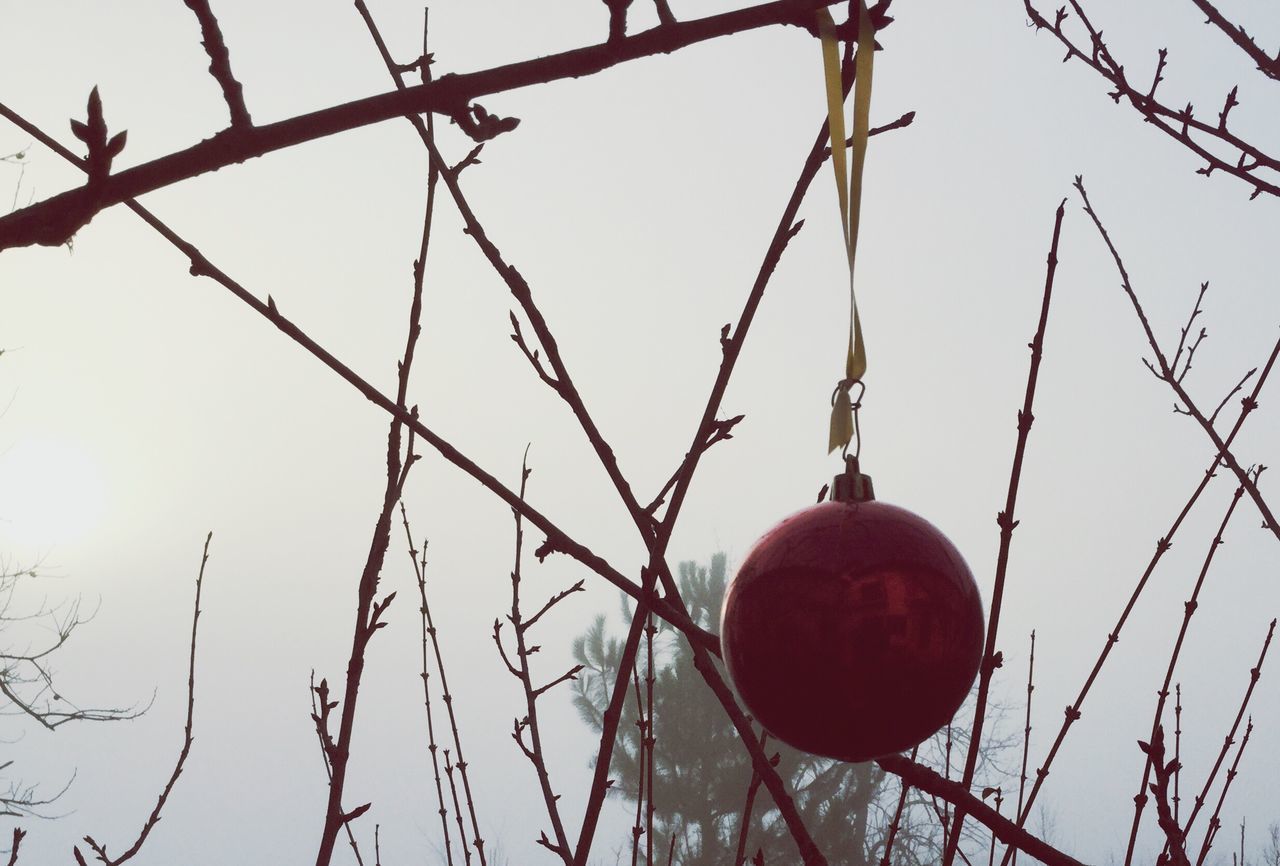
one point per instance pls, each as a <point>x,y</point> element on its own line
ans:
<point>702,775</point>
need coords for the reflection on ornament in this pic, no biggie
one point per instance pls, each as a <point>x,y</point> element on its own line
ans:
<point>853,628</point>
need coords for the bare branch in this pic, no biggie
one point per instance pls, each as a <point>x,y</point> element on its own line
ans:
<point>1243,159</point>
<point>55,220</point>
<point>1167,374</point>
<point>154,817</point>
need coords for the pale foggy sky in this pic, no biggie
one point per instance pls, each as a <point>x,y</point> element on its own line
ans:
<point>637,203</point>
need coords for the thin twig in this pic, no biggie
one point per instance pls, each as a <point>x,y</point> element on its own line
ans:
<point>1007,523</point>
<point>1254,673</point>
<point>1162,695</point>
<point>744,827</point>
<point>321,711</point>
<point>1177,746</point>
<point>637,828</point>
<point>420,570</point>
<point>1196,311</point>
<point>457,808</point>
<point>1026,731</point>
<point>991,847</point>
<point>432,636</point>
<point>650,732</point>
<point>533,751</point>
<point>1214,822</point>
<point>154,818</point>
<point>896,822</point>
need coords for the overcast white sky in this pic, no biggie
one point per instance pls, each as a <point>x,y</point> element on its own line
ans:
<point>637,203</point>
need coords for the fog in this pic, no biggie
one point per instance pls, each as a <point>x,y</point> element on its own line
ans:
<point>638,203</point>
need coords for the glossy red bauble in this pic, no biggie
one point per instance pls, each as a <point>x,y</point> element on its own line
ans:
<point>853,630</point>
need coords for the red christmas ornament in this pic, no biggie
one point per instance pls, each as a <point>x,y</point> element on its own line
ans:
<point>853,628</point>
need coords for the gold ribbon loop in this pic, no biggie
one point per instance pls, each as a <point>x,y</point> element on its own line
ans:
<point>848,186</point>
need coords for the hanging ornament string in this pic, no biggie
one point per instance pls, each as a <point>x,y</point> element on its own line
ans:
<point>849,192</point>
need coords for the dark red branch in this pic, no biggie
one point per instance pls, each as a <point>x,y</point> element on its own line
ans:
<point>953,792</point>
<point>1269,66</point>
<point>53,221</point>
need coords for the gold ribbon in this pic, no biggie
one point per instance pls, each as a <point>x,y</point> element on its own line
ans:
<point>849,191</point>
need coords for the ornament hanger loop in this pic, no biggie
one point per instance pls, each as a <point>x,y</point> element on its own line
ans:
<point>846,385</point>
<point>842,394</point>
